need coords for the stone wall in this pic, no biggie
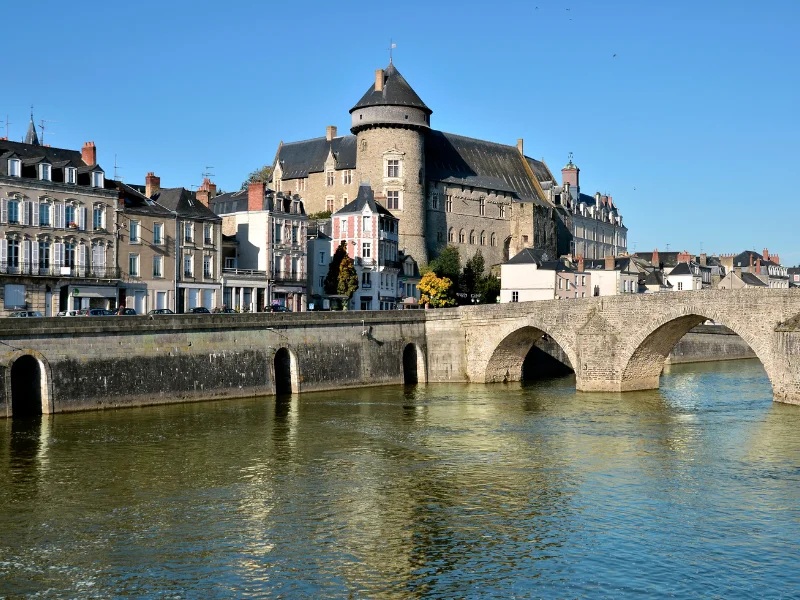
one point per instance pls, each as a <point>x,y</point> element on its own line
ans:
<point>707,343</point>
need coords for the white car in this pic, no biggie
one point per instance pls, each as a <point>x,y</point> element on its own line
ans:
<point>68,313</point>
<point>25,313</point>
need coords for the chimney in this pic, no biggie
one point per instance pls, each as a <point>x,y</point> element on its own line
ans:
<point>654,259</point>
<point>775,258</point>
<point>751,262</point>
<point>704,260</point>
<point>206,191</point>
<point>758,266</point>
<point>330,132</point>
<point>684,257</point>
<point>765,254</point>
<point>610,263</point>
<point>152,184</point>
<point>521,146</point>
<point>89,153</point>
<point>255,195</point>
<point>598,200</point>
<point>580,263</point>
<point>379,80</point>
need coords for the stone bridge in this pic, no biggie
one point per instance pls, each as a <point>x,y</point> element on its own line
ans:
<point>616,343</point>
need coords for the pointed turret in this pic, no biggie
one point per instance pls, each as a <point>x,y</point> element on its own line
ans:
<point>390,101</point>
<point>31,137</point>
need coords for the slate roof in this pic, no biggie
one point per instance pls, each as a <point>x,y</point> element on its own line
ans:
<point>657,278</point>
<point>184,203</point>
<point>30,136</point>
<point>229,203</point>
<point>743,259</point>
<point>681,269</point>
<point>621,263</point>
<point>365,197</point>
<point>238,201</point>
<point>525,256</point>
<point>396,92</point>
<point>751,279</point>
<point>33,153</point>
<point>135,201</point>
<point>298,159</point>
<point>457,159</point>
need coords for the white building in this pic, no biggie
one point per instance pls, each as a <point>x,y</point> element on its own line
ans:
<point>686,276</point>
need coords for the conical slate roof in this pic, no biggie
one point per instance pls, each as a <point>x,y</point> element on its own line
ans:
<point>396,92</point>
<point>31,137</point>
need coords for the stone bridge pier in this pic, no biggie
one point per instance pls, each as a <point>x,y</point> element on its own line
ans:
<point>620,343</point>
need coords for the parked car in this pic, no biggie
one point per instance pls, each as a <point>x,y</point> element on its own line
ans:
<point>228,311</point>
<point>125,312</point>
<point>21,314</point>
<point>279,308</point>
<point>161,311</point>
<point>69,313</point>
<point>198,310</point>
<point>95,312</point>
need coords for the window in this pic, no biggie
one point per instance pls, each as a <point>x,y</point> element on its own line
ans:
<point>13,211</point>
<point>207,273</point>
<point>439,236</point>
<point>502,211</point>
<point>366,279</point>
<point>472,237</point>
<point>133,265</point>
<point>367,224</point>
<point>71,175</point>
<point>97,179</point>
<point>97,218</point>
<point>482,207</point>
<point>560,283</point>
<point>13,168</point>
<point>278,229</point>
<point>515,296</point>
<point>344,225</point>
<point>448,204</point>
<point>330,178</point>
<point>158,264</point>
<point>44,172</point>
<point>295,233</point>
<point>187,266</point>
<point>462,237</point>
<point>393,168</point>
<point>69,216</point>
<point>322,258</point>
<point>14,296</point>
<point>451,235</point>
<point>44,256</point>
<point>188,233</point>
<point>435,201</point>
<point>208,234</point>
<point>158,233</point>
<point>69,254</point>
<point>680,283</point>
<point>134,229</point>
<point>494,240</point>
<point>347,177</point>
<point>329,203</point>
<point>483,238</point>
<point>300,185</point>
<point>366,250</point>
<point>13,256</point>
<point>583,279</point>
<point>393,200</point>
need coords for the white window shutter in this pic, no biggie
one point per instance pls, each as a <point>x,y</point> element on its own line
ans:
<point>103,217</point>
<point>3,255</point>
<point>26,256</point>
<point>82,218</point>
<point>3,210</point>
<point>81,260</point>
<point>58,253</point>
<point>25,207</point>
<point>35,214</point>
<point>35,257</point>
<point>58,217</point>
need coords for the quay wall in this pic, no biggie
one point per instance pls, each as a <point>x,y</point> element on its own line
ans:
<point>706,343</point>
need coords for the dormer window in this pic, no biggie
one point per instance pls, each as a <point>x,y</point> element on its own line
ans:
<point>13,167</point>
<point>97,179</point>
<point>44,172</point>
<point>71,175</point>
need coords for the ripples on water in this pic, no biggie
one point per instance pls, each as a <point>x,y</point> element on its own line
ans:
<point>440,491</point>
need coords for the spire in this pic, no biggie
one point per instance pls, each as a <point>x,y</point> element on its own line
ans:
<point>31,137</point>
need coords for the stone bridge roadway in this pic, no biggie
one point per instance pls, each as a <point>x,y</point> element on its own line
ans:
<point>616,343</point>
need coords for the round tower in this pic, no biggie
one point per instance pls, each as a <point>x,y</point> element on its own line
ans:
<point>390,122</point>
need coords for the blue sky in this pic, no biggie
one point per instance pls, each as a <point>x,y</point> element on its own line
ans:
<point>693,127</point>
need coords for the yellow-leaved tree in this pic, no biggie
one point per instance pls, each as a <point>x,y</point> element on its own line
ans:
<point>435,290</point>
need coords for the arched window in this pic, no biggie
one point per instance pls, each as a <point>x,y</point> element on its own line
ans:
<point>462,237</point>
<point>451,235</point>
<point>483,238</point>
<point>494,240</point>
<point>472,237</point>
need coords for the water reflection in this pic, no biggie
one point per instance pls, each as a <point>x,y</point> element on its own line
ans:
<point>441,491</point>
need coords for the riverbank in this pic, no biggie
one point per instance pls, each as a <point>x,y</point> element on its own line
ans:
<point>708,343</point>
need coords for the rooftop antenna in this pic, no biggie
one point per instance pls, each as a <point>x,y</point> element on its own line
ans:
<point>701,246</point>
<point>667,247</point>
<point>7,124</point>
<point>392,46</point>
<point>115,168</point>
<point>207,172</point>
<point>41,126</point>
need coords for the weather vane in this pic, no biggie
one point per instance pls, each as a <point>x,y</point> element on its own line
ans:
<point>391,47</point>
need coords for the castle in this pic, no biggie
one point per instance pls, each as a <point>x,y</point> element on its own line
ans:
<point>444,188</point>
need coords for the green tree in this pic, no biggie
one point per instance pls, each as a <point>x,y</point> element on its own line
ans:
<point>348,278</point>
<point>447,264</point>
<point>331,283</point>
<point>489,289</point>
<point>435,290</point>
<point>260,174</point>
<point>472,276</point>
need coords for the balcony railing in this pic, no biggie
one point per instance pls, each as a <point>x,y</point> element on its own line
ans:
<point>51,270</point>
<point>293,278</point>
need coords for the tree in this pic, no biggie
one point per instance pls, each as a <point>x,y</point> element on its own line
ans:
<point>489,289</point>
<point>348,278</point>
<point>447,264</point>
<point>472,276</point>
<point>260,174</point>
<point>331,283</point>
<point>435,290</point>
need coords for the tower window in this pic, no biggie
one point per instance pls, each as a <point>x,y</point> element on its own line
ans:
<point>393,200</point>
<point>462,237</point>
<point>393,168</point>
<point>330,178</point>
<point>451,235</point>
<point>482,207</point>
<point>448,204</point>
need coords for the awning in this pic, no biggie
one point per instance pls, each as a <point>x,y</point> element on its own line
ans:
<point>93,291</point>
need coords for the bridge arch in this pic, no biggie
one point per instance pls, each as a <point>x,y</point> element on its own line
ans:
<point>508,354</point>
<point>287,376</point>
<point>644,356</point>
<point>28,384</point>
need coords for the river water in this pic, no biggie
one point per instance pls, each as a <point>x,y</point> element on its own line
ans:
<point>451,491</point>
